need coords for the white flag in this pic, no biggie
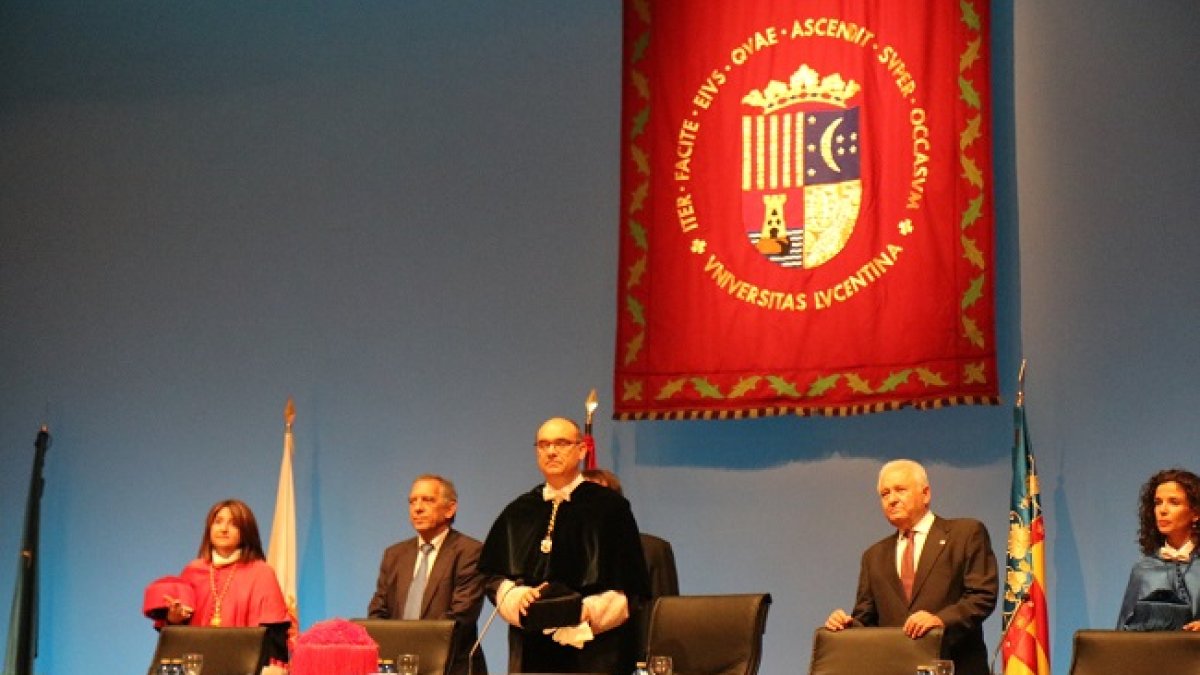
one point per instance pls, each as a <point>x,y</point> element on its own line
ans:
<point>281,551</point>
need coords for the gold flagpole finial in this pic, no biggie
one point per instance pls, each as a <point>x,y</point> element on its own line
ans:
<point>1021,384</point>
<point>591,404</point>
<point>289,413</point>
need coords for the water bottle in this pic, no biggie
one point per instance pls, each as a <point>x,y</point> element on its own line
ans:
<point>641,669</point>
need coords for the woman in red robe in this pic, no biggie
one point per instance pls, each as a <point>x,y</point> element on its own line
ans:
<point>228,584</point>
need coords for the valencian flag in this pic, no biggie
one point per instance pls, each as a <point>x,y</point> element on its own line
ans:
<point>1025,647</point>
<point>281,550</point>
<point>806,208</point>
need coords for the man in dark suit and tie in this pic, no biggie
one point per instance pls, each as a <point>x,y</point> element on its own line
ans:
<point>433,575</point>
<point>933,572</point>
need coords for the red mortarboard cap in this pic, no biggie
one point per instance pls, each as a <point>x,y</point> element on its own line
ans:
<point>154,600</point>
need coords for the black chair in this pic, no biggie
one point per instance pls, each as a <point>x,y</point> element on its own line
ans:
<point>433,640</point>
<point>710,634</point>
<point>227,651</point>
<point>1106,652</point>
<point>872,651</point>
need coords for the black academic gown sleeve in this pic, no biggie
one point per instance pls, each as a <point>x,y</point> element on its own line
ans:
<point>596,548</point>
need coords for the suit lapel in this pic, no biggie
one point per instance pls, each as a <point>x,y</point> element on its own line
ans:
<point>888,553</point>
<point>405,563</point>
<point>935,544</point>
<point>441,568</point>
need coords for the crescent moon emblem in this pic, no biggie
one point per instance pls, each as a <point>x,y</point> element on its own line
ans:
<point>827,146</point>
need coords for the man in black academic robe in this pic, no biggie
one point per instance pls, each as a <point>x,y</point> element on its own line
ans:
<point>567,535</point>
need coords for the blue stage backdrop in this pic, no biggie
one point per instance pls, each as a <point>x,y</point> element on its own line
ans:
<point>404,215</point>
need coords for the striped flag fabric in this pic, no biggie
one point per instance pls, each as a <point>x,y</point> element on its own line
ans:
<point>1025,647</point>
<point>281,551</point>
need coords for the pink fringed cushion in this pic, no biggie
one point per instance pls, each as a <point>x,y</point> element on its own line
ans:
<point>334,647</point>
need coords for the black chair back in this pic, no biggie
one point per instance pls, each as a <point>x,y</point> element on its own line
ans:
<point>433,640</point>
<point>1105,652</point>
<point>710,634</point>
<point>877,651</point>
<point>227,651</point>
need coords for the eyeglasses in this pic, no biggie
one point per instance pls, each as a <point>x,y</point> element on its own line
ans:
<point>558,444</point>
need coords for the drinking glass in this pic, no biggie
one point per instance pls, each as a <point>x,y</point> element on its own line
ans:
<point>407,664</point>
<point>661,665</point>
<point>943,667</point>
<point>193,664</point>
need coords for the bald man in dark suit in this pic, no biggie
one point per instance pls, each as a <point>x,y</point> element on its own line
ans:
<point>454,587</point>
<point>952,572</point>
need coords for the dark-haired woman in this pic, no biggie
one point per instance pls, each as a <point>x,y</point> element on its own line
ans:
<point>1164,586</point>
<point>228,584</point>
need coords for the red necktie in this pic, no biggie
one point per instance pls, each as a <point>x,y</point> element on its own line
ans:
<point>906,564</point>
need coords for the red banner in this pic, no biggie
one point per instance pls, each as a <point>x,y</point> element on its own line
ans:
<point>806,208</point>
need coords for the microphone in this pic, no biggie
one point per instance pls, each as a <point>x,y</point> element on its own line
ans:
<point>483,633</point>
<point>1004,633</point>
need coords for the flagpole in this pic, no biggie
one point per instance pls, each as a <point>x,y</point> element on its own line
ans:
<point>1021,384</point>
<point>22,627</point>
<point>1006,618</point>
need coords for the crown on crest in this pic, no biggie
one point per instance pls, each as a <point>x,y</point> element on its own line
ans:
<point>805,86</point>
